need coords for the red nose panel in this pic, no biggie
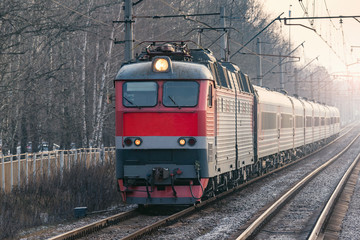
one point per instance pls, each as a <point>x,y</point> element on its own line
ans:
<point>160,124</point>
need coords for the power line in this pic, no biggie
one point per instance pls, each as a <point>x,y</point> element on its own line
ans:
<point>275,65</point>
<point>207,26</point>
<point>328,12</point>
<point>79,13</point>
<point>186,18</point>
<point>271,55</point>
<point>343,41</point>
<point>328,17</point>
<point>252,52</point>
<point>313,29</point>
<point>240,10</point>
<point>182,15</point>
<point>257,35</point>
<point>305,11</point>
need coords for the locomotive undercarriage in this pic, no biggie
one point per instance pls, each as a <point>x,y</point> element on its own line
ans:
<point>228,180</point>
<point>309,148</point>
<point>280,159</point>
<point>164,190</point>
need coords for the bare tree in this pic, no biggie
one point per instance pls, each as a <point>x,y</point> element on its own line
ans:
<point>57,60</point>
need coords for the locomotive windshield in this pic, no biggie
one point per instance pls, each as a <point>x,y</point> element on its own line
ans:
<point>180,94</point>
<point>140,94</point>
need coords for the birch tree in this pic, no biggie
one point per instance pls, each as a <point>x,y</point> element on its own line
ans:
<point>58,60</point>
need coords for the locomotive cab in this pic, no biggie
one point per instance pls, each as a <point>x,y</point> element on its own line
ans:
<point>161,131</point>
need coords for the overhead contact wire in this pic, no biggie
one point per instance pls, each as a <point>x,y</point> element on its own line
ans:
<point>79,13</point>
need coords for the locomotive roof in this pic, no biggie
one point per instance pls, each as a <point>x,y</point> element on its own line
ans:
<point>179,70</point>
<point>272,97</point>
<point>298,106</point>
<point>279,99</point>
<point>309,108</point>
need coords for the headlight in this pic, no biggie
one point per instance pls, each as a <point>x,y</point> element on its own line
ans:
<point>161,64</point>
<point>128,142</point>
<point>182,141</point>
<point>192,141</point>
<point>138,141</point>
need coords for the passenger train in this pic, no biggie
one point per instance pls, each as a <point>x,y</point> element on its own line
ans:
<point>189,126</point>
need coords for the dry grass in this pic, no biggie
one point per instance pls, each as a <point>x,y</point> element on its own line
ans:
<point>52,200</point>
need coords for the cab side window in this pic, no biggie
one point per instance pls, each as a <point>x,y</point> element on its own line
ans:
<point>210,97</point>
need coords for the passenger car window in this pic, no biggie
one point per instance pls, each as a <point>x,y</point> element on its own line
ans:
<point>180,94</point>
<point>140,94</point>
<point>286,121</point>
<point>308,121</point>
<point>268,120</point>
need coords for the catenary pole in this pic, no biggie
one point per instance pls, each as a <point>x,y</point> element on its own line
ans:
<point>224,36</point>
<point>129,52</point>
<point>258,50</point>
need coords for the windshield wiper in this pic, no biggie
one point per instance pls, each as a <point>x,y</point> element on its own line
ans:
<point>174,102</point>
<point>131,102</point>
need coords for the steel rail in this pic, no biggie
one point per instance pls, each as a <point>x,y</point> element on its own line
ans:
<point>264,217</point>
<point>326,212</point>
<point>96,226</point>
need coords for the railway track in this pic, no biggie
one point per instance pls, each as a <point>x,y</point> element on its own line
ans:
<point>329,222</point>
<point>122,217</point>
<point>276,213</point>
<point>160,221</point>
<point>93,227</point>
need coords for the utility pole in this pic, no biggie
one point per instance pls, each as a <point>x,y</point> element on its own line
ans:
<point>311,86</point>
<point>224,36</point>
<point>199,37</point>
<point>282,85</point>
<point>296,72</point>
<point>296,81</point>
<point>318,87</point>
<point>326,91</point>
<point>283,58</point>
<point>258,50</point>
<point>289,28</point>
<point>331,92</point>
<point>129,52</point>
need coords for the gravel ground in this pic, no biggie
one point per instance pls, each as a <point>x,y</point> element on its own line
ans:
<point>48,231</point>
<point>351,223</point>
<point>298,216</point>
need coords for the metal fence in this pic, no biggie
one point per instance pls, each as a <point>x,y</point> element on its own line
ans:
<point>22,168</point>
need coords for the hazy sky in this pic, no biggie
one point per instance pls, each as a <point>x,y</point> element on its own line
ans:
<point>341,37</point>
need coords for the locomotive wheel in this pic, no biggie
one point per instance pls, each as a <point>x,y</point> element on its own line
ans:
<point>226,182</point>
<point>213,186</point>
<point>141,208</point>
<point>245,175</point>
